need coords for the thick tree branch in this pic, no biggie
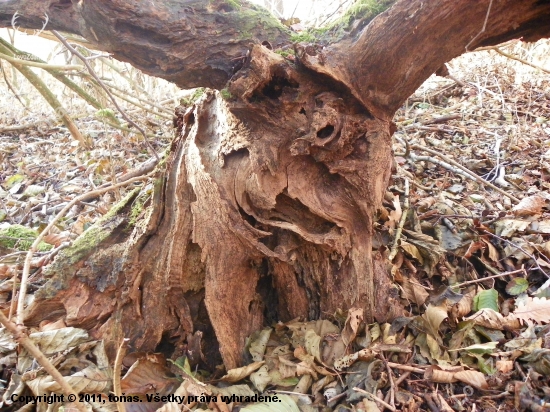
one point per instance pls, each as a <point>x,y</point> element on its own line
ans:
<point>196,43</point>
<point>404,45</point>
<point>189,42</point>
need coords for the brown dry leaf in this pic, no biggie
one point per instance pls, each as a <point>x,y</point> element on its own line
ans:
<point>278,380</point>
<point>333,348</point>
<point>299,329</point>
<point>540,226</point>
<point>389,335</point>
<point>287,368</point>
<point>46,325</point>
<point>237,374</point>
<point>529,206</point>
<point>491,251</point>
<point>424,204</point>
<point>90,379</point>
<point>473,248</point>
<point>56,239</point>
<point>313,344</point>
<point>51,342</point>
<point>535,309</point>
<point>355,317</point>
<point>259,344</point>
<point>304,384</point>
<point>5,271</point>
<point>546,248</point>
<point>394,215</point>
<point>414,292</point>
<point>504,366</point>
<point>472,378</point>
<point>148,373</point>
<point>434,346</point>
<point>494,320</point>
<point>412,251</point>
<point>432,253</point>
<point>260,379</point>
<point>304,369</point>
<point>463,307</point>
<point>370,406</point>
<point>507,227</point>
<point>309,360</point>
<point>436,374</point>
<point>488,318</point>
<point>432,319</point>
<point>174,406</point>
<point>79,226</point>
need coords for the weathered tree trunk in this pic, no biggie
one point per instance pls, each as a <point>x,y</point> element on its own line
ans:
<point>263,210</point>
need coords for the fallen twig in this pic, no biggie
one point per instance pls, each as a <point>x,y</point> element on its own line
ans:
<point>406,205</point>
<point>529,255</point>
<point>519,59</point>
<point>18,332</point>
<point>407,368</point>
<point>466,170</point>
<point>499,275</point>
<point>121,352</point>
<point>376,399</point>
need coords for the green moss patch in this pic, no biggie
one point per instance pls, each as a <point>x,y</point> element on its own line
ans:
<point>21,238</point>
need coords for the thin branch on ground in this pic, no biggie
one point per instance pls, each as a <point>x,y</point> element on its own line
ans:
<point>466,170</point>
<point>375,398</point>
<point>121,352</point>
<point>406,205</point>
<point>529,255</point>
<point>519,59</point>
<point>23,339</point>
<point>19,127</point>
<point>499,275</point>
<point>441,163</point>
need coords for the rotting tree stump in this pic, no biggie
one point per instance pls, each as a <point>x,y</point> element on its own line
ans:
<point>264,205</point>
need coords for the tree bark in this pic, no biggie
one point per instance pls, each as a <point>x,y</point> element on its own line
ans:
<point>265,206</point>
<point>193,43</point>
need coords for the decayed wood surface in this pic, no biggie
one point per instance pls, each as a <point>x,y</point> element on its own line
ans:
<point>264,208</point>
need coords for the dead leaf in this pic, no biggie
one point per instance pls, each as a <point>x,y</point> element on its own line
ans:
<point>432,319</point>
<point>535,309</point>
<point>259,343</point>
<point>237,374</point>
<point>353,321</point>
<point>473,378</point>
<point>414,292</point>
<point>529,206</point>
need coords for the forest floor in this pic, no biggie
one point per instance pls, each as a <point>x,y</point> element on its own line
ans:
<point>467,227</point>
